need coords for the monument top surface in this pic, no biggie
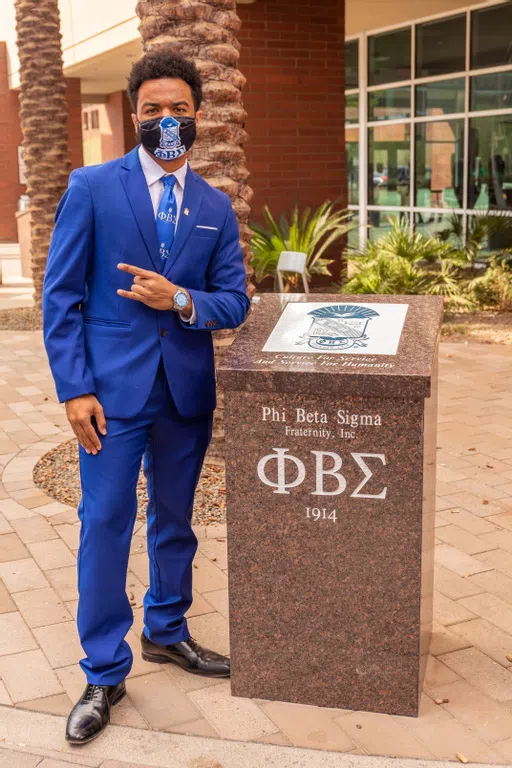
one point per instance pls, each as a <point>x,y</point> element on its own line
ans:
<point>371,346</point>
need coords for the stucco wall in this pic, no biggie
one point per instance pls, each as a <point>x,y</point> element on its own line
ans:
<point>365,15</point>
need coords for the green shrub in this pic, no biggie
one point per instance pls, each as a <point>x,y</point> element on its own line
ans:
<point>309,232</point>
<point>493,290</point>
<point>481,228</point>
<point>403,263</point>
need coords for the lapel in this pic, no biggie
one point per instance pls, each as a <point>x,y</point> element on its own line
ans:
<point>192,199</point>
<point>134,183</point>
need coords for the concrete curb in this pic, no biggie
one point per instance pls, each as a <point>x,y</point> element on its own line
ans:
<point>26,731</point>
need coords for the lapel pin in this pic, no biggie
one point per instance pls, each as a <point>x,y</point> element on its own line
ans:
<point>186,211</point>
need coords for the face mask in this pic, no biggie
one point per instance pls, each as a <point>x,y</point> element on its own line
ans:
<point>168,138</point>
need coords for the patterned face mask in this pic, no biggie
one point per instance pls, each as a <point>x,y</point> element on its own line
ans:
<point>168,138</point>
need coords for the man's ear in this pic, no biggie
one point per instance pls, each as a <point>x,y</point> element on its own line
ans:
<point>199,116</point>
<point>135,122</point>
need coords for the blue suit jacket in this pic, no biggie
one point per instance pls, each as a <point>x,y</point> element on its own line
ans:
<point>98,342</point>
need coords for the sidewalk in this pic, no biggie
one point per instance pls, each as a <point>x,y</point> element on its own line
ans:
<point>147,749</point>
<point>471,662</point>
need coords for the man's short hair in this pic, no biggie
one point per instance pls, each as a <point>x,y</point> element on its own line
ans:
<point>160,62</point>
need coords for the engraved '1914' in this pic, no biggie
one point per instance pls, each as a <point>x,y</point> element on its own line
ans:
<point>285,480</point>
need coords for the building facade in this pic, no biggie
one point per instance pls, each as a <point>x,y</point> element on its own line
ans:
<point>429,121</point>
<point>404,105</point>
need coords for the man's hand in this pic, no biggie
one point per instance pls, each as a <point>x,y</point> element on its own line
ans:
<point>150,288</point>
<point>80,411</point>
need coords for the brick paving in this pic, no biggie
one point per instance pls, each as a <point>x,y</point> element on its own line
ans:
<point>471,661</point>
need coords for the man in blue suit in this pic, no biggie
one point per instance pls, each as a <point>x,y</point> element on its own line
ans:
<point>144,264</point>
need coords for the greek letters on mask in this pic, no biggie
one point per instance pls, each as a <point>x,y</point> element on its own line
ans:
<point>168,138</point>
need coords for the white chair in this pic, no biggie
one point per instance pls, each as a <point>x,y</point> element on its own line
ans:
<point>292,261</point>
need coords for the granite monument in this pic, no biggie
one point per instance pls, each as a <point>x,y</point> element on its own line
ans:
<point>330,420</point>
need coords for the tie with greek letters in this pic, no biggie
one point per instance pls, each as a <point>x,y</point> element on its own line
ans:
<point>166,217</point>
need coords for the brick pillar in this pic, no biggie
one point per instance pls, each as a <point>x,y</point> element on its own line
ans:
<point>293,56</point>
<point>130,141</point>
<point>74,100</point>
<point>121,136</point>
<point>10,140</point>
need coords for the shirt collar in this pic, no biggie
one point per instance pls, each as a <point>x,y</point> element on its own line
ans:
<point>154,172</point>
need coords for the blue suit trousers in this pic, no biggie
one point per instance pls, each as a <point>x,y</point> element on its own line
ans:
<point>173,448</point>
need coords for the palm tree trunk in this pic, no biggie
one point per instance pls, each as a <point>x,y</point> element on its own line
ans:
<point>205,31</point>
<point>43,113</point>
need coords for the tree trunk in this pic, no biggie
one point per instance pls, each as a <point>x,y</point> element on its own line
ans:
<point>205,31</point>
<point>43,113</point>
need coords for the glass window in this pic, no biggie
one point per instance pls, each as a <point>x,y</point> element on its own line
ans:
<point>441,47</point>
<point>95,122</point>
<point>439,164</point>
<point>389,165</point>
<point>352,108</point>
<point>491,91</point>
<point>436,223</point>
<point>442,98</point>
<point>389,57</point>
<point>380,222</point>
<point>86,121</point>
<point>352,64</point>
<point>490,163</point>
<point>491,44</point>
<point>390,104</point>
<point>352,144</point>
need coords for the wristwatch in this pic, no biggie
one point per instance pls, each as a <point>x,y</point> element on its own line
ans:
<point>180,300</point>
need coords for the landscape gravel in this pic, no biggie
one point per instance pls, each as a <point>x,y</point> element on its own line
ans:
<point>57,474</point>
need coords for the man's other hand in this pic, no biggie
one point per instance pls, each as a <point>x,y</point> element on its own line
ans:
<point>80,411</point>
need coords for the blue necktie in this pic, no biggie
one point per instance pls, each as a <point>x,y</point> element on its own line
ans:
<point>166,217</point>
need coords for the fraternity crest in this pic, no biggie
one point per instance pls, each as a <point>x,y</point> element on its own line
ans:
<point>170,147</point>
<point>338,327</point>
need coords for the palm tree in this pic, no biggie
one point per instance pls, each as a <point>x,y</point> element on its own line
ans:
<point>43,113</point>
<point>205,30</point>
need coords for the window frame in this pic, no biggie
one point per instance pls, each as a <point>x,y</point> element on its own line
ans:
<point>362,208</point>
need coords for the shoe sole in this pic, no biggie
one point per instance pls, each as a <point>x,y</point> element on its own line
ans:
<point>91,738</point>
<point>154,659</point>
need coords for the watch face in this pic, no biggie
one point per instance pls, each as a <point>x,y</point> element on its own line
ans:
<point>181,299</point>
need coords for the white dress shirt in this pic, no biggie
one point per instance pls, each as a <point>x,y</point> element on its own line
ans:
<point>153,174</point>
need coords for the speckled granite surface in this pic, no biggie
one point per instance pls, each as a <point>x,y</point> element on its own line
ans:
<point>246,366</point>
<point>333,611</point>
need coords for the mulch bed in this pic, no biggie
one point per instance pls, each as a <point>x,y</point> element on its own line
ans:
<point>21,319</point>
<point>57,474</point>
<point>480,327</point>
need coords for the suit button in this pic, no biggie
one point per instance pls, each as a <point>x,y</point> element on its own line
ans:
<point>163,332</point>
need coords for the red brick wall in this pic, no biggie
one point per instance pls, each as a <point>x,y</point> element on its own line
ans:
<point>74,99</point>
<point>293,59</point>
<point>10,139</point>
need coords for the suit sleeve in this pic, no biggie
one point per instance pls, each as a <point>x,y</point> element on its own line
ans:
<point>67,269</point>
<point>224,303</point>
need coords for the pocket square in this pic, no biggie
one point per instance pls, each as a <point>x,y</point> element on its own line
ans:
<point>201,226</point>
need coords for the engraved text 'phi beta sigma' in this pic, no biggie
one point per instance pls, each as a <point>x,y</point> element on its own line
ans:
<point>291,472</point>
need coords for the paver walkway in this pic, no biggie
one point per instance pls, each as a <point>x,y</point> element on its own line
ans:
<point>471,662</point>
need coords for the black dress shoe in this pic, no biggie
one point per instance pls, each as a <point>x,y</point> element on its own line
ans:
<point>91,714</point>
<point>188,655</point>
